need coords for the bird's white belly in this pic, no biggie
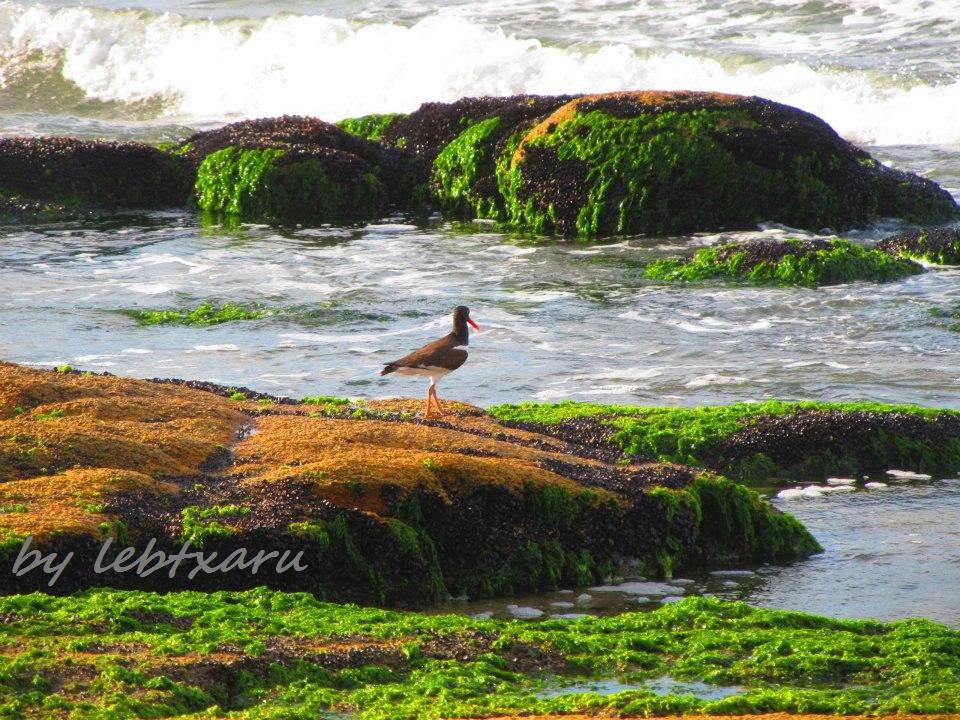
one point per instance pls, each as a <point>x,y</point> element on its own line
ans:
<point>434,373</point>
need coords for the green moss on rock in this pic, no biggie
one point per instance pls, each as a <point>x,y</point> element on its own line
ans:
<point>786,262</point>
<point>274,183</point>
<point>369,127</point>
<point>759,442</point>
<point>456,170</point>
<point>729,523</point>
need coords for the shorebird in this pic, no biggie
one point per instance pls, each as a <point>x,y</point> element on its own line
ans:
<point>436,359</point>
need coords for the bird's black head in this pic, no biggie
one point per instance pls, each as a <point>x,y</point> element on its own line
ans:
<point>461,316</point>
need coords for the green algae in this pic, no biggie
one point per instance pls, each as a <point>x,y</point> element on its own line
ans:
<point>228,180</point>
<point>204,314</point>
<point>325,400</point>
<point>202,524</point>
<point>266,654</point>
<point>730,523</point>
<point>843,262</point>
<point>270,183</point>
<point>898,196</point>
<point>698,436</point>
<point>457,168</point>
<point>546,554</point>
<point>369,127</point>
<point>49,415</point>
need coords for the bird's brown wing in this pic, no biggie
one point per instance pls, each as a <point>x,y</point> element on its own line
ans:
<point>440,353</point>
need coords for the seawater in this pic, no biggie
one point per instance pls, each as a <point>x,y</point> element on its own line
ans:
<point>882,72</point>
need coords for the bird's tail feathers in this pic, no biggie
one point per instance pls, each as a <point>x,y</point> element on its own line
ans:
<point>388,368</point>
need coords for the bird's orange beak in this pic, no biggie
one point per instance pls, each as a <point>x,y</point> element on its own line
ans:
<point>475,326</point>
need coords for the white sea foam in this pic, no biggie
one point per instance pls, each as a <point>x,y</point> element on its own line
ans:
<point>715,379</point>
<point>525,613</point>
<point>906,475</point>
<point>210,71</point>
<point>813,491</point>
<point>640,588</point>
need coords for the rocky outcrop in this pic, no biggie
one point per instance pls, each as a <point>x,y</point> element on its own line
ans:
<point>382,506</point>
<point>809,262</point>
<point>679,162</point>
<point>264,653</point>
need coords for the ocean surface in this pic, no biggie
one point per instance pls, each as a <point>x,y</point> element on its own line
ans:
<point>561,319</point>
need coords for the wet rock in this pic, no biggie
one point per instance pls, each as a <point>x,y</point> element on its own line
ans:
<point>679,162</point>
<point>60,177</point>
<point>766,442</point>
<point>454,148</point>
<point>935,245</point>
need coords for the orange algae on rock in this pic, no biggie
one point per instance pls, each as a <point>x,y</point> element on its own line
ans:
<point>72,501</point>
<point>350,462</point>
<point>54,421</point>
<point>384,507</point>
<point>71,443</point>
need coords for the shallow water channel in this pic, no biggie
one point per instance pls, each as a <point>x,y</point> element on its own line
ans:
<point>890,552</point>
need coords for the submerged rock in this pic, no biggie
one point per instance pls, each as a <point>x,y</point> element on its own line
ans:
<point>267,654</point>
<point>383,507</point>
<point>56,177</point>
<point>786,262</point>
<point>935,245</point>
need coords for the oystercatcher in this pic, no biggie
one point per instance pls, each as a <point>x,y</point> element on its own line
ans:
<point>436,359</point>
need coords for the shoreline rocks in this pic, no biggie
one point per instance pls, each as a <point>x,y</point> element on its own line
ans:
<point>264,653</point>
<point>935,245</point>
<point>587,166</point>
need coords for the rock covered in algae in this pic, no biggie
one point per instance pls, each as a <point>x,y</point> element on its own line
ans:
<point>935,245</point>
<point>384,507</point>
<point>56,176</point>
<point>591,165</point>
<point>808,262</point>
<point>761,442</point>
<point>293,168</point>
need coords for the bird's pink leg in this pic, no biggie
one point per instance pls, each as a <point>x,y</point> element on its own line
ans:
<point>437,401</point>
<point>428,414</point>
